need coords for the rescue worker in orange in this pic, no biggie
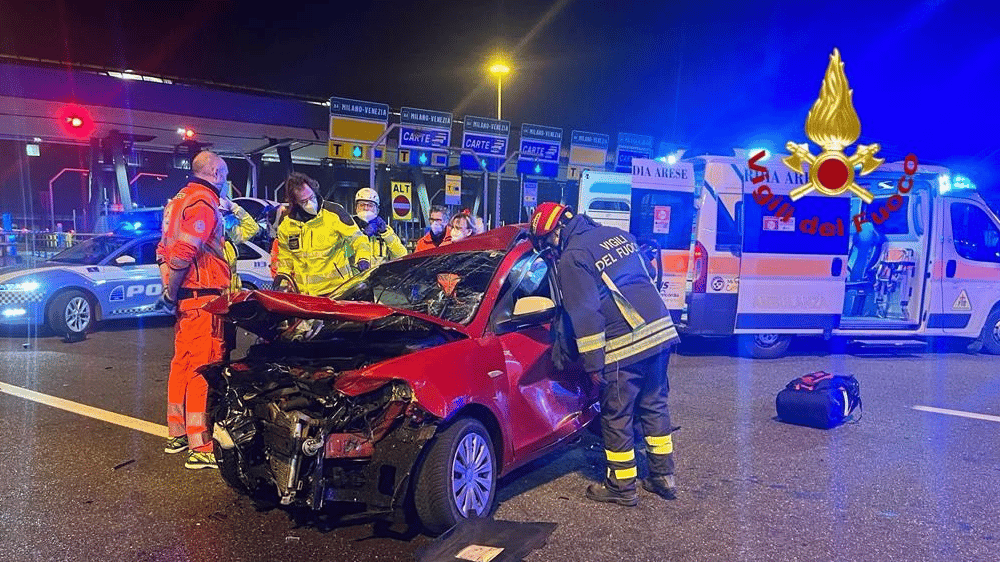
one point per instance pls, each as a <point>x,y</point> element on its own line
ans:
<point>194,270</point>
<point>437,233</point>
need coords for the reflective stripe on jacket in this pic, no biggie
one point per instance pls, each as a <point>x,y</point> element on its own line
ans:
<point>320,252</point>
<point>192,237</point>
<point>615,310</point>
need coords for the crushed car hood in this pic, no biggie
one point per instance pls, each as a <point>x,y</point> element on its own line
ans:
<point>256,311</point>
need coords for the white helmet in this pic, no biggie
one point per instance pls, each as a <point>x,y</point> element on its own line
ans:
<point>367,194</point>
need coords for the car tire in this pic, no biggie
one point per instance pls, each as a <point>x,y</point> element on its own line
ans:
<point>459,457</point>
<point>991,333</point>
<point>764,346</point>
<point>71,312</point>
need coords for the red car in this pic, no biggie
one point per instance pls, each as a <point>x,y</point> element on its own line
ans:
<point>426,378</point>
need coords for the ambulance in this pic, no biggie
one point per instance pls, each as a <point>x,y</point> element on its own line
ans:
<point>921,260</point>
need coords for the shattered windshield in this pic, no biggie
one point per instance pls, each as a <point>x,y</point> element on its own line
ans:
<point>447,286</point>
<point>92,251</point>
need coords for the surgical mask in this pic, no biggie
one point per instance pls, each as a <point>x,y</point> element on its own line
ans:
<point>367,216</point>
<point>310,206</point>
<point>457,234</point>
<point>226,190</point>
<point>437,228</point>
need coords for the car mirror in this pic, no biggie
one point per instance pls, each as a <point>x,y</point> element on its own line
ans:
<point>528,311</point>
<point>125,259</point>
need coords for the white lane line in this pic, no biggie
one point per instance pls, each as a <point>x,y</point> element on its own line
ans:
<point>958,413</point>
<point>85,410</point>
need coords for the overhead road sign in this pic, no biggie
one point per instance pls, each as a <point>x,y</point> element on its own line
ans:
<point>540,146</point>
<point>488,139</point>
<point>632,146</point>
<point>587,151</point>
<point>354,126</point>
<point>424,137</point>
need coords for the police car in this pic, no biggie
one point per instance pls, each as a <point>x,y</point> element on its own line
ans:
<point>109,276</point>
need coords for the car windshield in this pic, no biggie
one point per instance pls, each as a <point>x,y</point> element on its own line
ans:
<point>447,286</point>
<point>92,251</point>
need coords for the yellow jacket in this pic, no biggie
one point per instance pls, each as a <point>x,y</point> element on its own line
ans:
<point>245,230</point>
<point>386,245</point>
<point>322,251</point>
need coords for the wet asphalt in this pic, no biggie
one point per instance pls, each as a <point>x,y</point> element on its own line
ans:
<point>901,484</point>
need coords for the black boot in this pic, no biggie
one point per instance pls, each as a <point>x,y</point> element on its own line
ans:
<point>663,486</point>
<point>601,493</point>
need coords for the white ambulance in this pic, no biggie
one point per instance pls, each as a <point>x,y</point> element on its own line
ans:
<point>922,260</point>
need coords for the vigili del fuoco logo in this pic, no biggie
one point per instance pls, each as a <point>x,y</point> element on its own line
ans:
<point>832,124</point>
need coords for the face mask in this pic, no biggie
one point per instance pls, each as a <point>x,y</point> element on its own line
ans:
<point>457,234</point>
<point>225,189</point>
<point>310,206</point>
<point>367,216</point>
<point>437,228</point>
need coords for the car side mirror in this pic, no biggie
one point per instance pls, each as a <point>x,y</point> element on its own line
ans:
<point>125,259</point>
<point>528,311</point>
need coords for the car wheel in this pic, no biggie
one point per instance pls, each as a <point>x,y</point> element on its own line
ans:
<point>764,346</point>
<point>991,333</point>
<point>71,312</point>
<point>458,477</point>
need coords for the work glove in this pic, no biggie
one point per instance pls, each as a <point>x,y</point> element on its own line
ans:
<point>362,264</point>
<point>165,304</point>
<point>376,226</point>
<point>225,205</point>
<point>230,221</point>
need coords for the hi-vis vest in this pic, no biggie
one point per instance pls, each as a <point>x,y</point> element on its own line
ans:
<point>617,314</point>
<point>320,253</point>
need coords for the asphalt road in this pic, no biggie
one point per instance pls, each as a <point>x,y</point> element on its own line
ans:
<point>902,484</point>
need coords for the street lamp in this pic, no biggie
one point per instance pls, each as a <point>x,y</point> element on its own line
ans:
<point>498,69</point>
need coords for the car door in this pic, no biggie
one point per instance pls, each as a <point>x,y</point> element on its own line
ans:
<point>971,255</point>
<point>136,284</point>
<point>253,266</point>
<point>545,404</point>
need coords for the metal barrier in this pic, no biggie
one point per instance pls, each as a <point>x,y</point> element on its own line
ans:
<point>17,245</point>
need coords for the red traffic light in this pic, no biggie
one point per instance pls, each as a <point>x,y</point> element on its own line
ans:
<point>75,121</point>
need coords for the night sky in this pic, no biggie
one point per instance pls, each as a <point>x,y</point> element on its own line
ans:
<point>709,76</point>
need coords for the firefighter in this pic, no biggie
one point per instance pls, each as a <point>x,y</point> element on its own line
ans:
<point>319,245</point>
<point>437,232</point>
<point>624,334</point>
<point>385,243</point>
<point>194,270</point>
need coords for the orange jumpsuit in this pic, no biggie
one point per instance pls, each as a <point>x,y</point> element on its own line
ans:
<point>193,240</point>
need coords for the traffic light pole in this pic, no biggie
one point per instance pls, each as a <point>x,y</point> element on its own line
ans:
<point>496,216</point>
<point>371,152</point>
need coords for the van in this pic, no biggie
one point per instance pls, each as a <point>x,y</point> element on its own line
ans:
<point>921,260</point>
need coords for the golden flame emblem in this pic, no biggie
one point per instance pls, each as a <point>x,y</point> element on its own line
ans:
<point>834,125</point>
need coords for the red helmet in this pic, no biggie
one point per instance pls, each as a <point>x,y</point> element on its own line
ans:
<point>546,218</point>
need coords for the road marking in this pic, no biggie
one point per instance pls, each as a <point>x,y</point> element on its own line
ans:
<point>85,410</point>
<point>958,413</point>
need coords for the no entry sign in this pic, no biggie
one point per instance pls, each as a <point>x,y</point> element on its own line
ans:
<point>402,206</point>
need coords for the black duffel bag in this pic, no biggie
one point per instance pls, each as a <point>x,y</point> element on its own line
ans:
<point>820,400</point>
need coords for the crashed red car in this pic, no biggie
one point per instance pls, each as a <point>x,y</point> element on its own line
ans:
<point>424,379</point>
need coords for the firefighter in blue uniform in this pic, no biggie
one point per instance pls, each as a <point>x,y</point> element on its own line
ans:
<point>624,334</point>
